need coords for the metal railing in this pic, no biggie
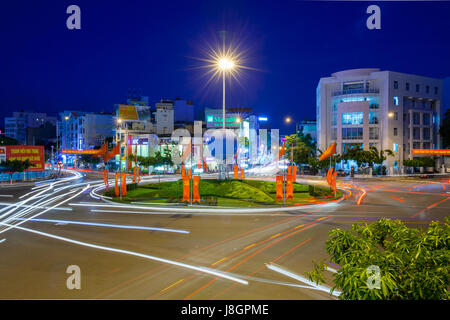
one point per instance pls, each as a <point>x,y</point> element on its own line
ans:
<point>355,91</point>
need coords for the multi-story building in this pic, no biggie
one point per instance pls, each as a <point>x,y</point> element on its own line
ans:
<point>164,117</point>
<point>16,126</point>
<point>84,130</point>
<point>389,110</point>
<point>309,127</point>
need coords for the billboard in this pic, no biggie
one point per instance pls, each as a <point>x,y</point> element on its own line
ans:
<point>214,119</point>
<point>134,113</point>
<point>445,152</point>
<point>35,154</point>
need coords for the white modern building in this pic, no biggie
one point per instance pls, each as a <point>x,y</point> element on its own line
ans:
<point>164,118</point>
<point>389,110</point>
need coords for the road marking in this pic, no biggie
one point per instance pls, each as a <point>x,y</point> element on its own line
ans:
<point>6,195</point>
<point>172,285</point>
<point>252,245</point>
<point>219,261</point>
<point>3,240</point>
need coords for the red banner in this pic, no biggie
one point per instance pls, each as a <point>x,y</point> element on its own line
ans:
<point>242,173</point>
<point>124,184</point>
<point>236,171</point>
<point>432,151</point>
<point>105,178</point>
<point>34,154</point>
<point>289,187</point>
<point>186,189</point>
<point>328,152</point>
<point>294,173</point>
<point>279,184</point>
<point>116,150</point>
<point>116,187</point>
<point>195,192</point>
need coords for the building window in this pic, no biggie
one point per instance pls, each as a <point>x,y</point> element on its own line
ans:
<point>407,86</point>
<point>417,88</point>
<point>352,133</point>
<point>395,147</point>
<point>427,89</point>
<point>352,118</point>
<point>435,90</point>
<point>373,117</point>
<point>395,115</point>
<point>416,118</point>
<point>374,105</point>
<point>395,101</point>
<point>413,102</point>
<point>333,119</point>
<point>416,133</point>
<point>374,133</point>
<point>426,133</point>
<point>426,119</point>
<point>395,84</point>
<point>424,104</point>
<point>395,132</point>
<point>334,134</point>
<point>426,145</point>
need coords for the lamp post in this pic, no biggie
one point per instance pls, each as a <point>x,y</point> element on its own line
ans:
<point>224,64</point>
<point>119,127</point>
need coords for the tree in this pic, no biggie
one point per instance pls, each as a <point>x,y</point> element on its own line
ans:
<point>367,157</point>
<point>413,263</point>
<point>302,147</point>
<point>421,162</point>
<point>16,166</point>
<point>444,130</point>
<point>7,141</point>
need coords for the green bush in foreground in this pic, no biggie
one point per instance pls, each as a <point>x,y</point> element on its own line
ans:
<point>414,264</point>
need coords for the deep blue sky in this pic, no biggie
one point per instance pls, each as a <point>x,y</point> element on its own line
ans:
<point>152,45</point>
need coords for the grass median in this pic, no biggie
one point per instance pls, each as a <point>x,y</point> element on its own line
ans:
<point>226,193</point>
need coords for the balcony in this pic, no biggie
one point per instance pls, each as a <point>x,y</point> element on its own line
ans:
<point>355,91</point>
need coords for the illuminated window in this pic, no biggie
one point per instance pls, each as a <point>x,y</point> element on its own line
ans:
<point>352,118</point>
<point>352,133</point>
<point>395,147</point>
<point>373,117</point>
<point>395,101</point>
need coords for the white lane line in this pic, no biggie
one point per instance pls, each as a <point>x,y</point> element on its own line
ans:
<point>207,270</point>
<point>95,224</point>
<point>297,277</point>
<point>3,240</point>
<point>6,195</point>
<point>237,214</point>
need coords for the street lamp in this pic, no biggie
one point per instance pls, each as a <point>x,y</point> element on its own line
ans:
<point>224,64</point>
<point>288,120</point>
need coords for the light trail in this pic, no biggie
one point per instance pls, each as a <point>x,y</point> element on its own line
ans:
<point>214,272</point>
<point>46,210</point>
<point>36,206</point>
<point>95,224</point>
<point>297,277</point>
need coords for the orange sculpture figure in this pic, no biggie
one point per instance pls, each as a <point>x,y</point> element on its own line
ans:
<point>186,189</point>
<point>328,152</point>
<point>289,187</point>
<point>242,173</point>
<point>183,171</point>
<point>124,184</point>
<point>294,173</point>
<point>116,188</point>
<point>333,180</point>
<point>279,184</point>
<point>236,171</point>
<point>289,170</point>
<point>105,178</point>
<point>195,192</point>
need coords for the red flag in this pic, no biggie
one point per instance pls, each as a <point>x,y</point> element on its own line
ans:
<point>195,192</point>
<point>186,189</point>
<point>328,152</point>
<point>279,185</point>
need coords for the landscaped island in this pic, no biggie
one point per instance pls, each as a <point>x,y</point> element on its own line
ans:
<point>230,193</point>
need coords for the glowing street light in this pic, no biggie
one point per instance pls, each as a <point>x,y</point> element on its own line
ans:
<point>225,64</point>
<point>390,114</point>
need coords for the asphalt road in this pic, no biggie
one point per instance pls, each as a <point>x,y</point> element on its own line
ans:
<point>179,257</point>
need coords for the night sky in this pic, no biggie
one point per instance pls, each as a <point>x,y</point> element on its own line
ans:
<point>154,46</point>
